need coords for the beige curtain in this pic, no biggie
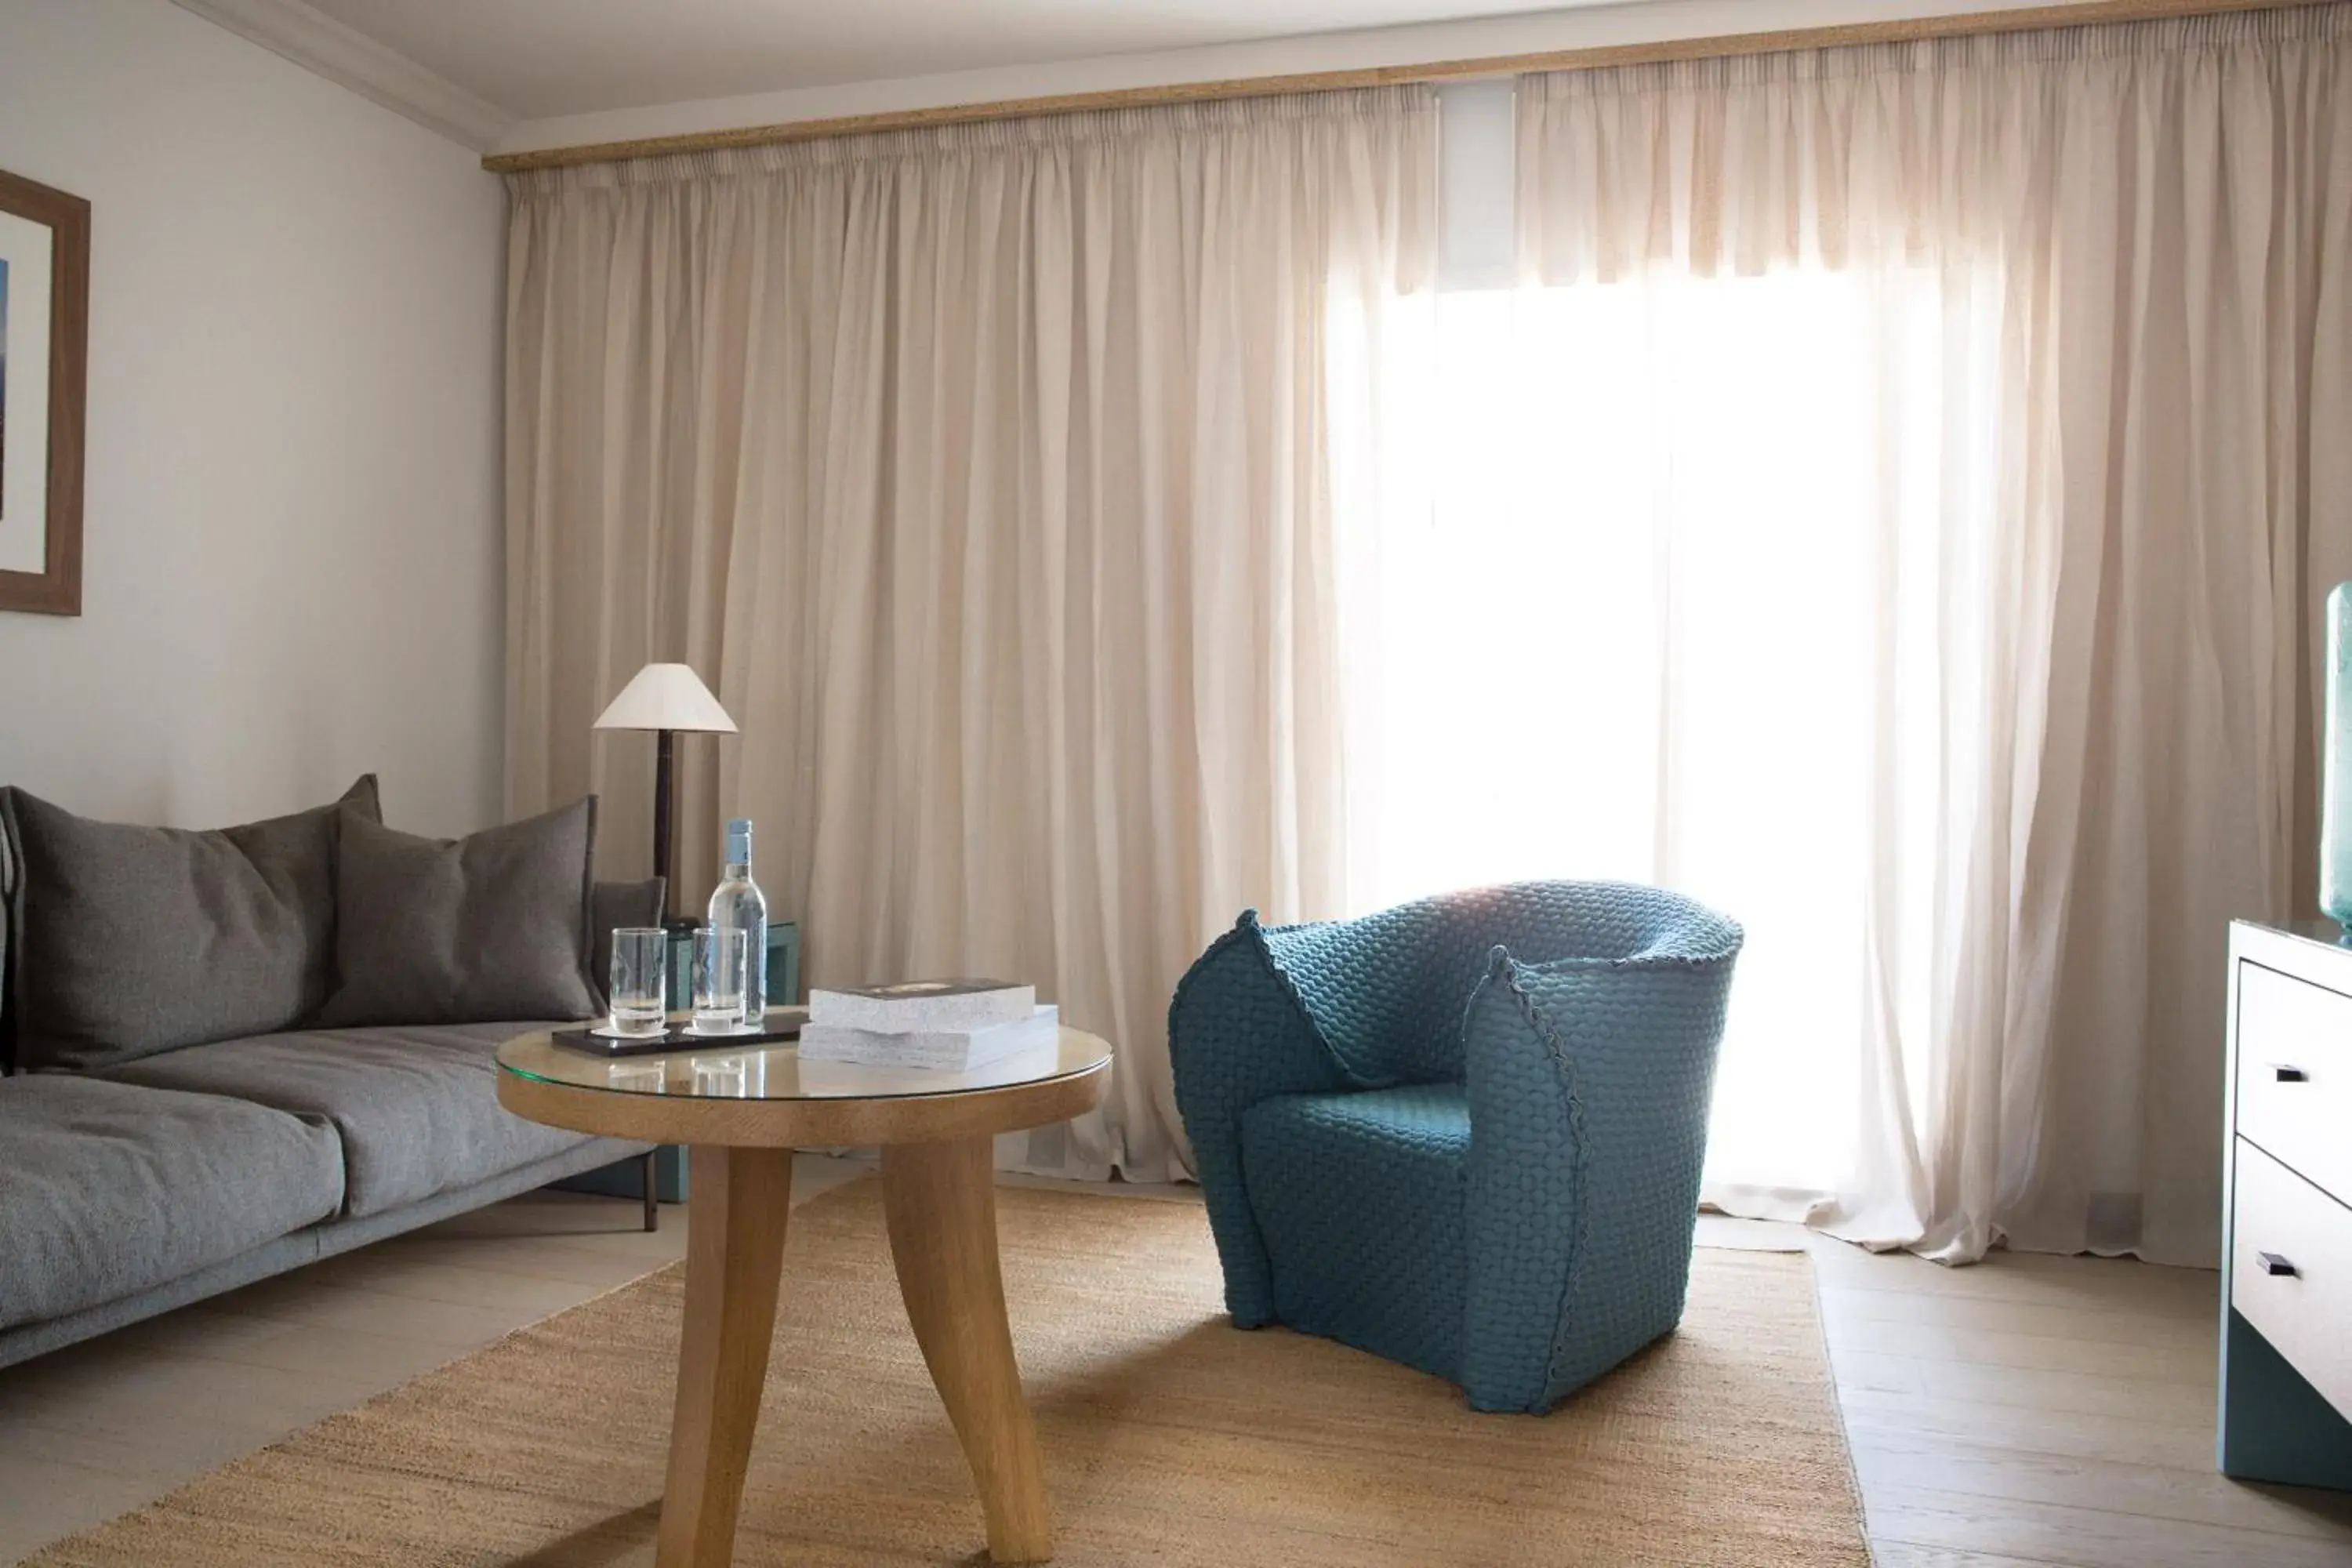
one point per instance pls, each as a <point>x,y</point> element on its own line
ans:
<point>2110,452</point>
<point>982,473</point>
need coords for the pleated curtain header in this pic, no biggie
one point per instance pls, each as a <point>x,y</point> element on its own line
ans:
<point>1966,52</point>
<point>1220,118</point>
<point>1915,151</point>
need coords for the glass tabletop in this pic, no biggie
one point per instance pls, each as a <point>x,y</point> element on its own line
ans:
<point>773,1070</point>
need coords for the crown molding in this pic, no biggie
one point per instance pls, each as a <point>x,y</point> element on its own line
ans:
<point>350,59</point>
<point>1586,37</point>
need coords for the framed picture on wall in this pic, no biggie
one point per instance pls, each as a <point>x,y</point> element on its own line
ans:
<point>44,371</point>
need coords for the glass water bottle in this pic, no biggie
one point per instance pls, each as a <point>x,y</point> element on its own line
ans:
<point>737,903</point>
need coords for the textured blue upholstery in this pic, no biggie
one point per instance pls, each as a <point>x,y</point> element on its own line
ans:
<point>1315,1165</point>
<point>1464,1133</point>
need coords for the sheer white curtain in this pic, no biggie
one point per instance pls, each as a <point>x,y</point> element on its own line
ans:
<point>1639,606</point>
<point>1894,509</point>
<point>984,471</point>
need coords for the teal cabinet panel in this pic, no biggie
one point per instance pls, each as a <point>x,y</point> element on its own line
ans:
<point>2275,1426</point>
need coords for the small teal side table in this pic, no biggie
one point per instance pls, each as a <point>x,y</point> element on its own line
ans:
<point>624,1180</point>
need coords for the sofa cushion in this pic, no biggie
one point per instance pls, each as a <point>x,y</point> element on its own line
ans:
<point>108,1190</point>
<point>1359,1196</point>
<point>130,941</point>
<point>416,1106</point>
<point>488,929</point>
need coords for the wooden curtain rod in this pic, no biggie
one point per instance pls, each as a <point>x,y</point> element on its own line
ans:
<point>2074,14</point>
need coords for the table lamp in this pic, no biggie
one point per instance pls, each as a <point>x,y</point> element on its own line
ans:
<point>665,698</point>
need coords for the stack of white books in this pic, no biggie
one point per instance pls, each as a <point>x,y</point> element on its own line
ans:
<point>956,1024</point>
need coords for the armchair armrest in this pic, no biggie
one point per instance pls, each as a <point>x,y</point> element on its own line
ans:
<point>1238,1033</point>
<point>1589,1083</point>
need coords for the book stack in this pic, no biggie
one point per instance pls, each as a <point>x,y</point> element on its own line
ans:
<point>953,1025</point>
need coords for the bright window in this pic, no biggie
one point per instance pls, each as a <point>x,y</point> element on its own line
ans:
<point>1659,586</point>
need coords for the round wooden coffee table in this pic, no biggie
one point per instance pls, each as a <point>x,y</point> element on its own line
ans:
<point>741,1112</point>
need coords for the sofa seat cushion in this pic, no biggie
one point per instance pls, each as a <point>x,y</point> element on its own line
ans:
<point>1359,1196</point>
<point>416,1106</point>
<point>107,1190</point>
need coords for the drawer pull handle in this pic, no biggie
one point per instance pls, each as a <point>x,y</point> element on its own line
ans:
<point>2273,1264</point>
<point>2289,1074</point>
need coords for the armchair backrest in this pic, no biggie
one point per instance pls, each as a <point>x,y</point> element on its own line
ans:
<point>1387,991</point>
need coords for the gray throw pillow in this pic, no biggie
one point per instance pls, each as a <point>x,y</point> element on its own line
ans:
<point>486,929</point>
<point>127,942</point>
<point>610,906</point>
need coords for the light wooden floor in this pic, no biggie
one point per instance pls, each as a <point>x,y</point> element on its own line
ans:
<point>2029,1411</point>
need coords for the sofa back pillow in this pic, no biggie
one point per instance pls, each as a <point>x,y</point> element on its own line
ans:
<point>128,941</point>
<point>490,929</point>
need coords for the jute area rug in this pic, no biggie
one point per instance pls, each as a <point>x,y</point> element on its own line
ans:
<point>1170,1436</point>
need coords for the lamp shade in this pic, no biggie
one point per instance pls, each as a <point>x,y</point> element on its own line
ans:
<point>666,696</point>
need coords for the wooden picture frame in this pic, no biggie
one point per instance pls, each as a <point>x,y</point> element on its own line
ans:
<point>44,304</point>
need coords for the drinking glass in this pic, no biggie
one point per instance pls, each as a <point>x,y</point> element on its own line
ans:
<point>722,961</point>
<point>640,962</point>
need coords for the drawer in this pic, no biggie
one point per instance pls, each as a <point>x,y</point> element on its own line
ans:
<point>2294,1074</point>
<point>2305,1315</point>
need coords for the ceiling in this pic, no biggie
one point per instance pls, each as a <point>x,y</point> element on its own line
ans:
<point>534,59</point>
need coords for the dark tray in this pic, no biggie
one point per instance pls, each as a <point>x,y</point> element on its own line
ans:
<point>677,1038</point>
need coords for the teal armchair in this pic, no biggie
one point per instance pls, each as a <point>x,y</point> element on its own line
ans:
<point>1464,1133</point>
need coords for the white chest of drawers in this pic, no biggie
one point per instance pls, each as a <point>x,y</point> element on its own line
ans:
<point>2286,1265</point>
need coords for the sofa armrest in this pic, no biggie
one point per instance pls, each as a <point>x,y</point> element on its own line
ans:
<point>1589,1082</point>
<point>1237,1034</point>
<point>8,901</point>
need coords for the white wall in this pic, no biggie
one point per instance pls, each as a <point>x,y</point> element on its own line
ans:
<point>292,559</point>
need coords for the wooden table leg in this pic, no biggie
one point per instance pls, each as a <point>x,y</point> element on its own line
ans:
<point>734,1257</point>
<point>940,1199</point>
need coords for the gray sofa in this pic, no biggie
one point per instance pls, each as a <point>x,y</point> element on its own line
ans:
<point>137,1186</point>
